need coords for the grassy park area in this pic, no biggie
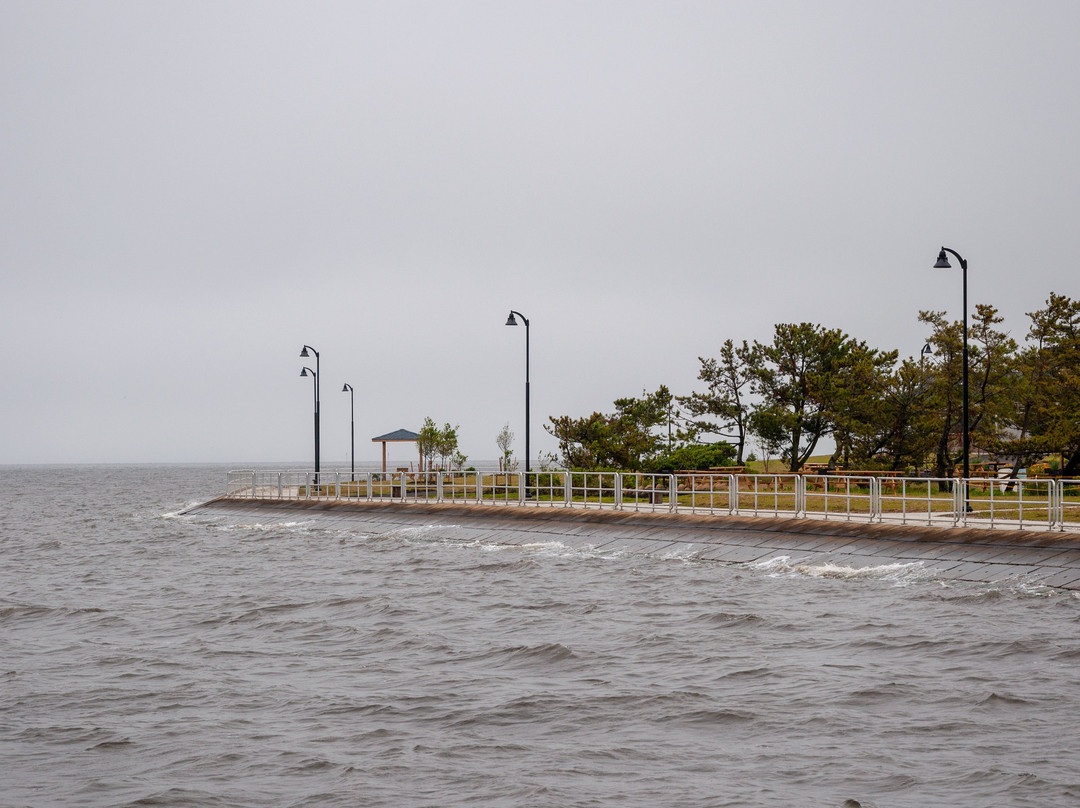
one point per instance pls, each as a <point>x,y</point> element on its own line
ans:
<point>1029,500</point>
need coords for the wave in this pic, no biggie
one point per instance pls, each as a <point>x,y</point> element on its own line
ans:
<point>898,572</point>
<point>714,717</point>
<point>511,565</point>
<point>182,511</point>
<point>1002,700</point>
<point>725,620</point>
<point>545,654</point>
<point>1019,587</point>
<point>548,652</point>
<point>259,527</point>
<point>34,611</point>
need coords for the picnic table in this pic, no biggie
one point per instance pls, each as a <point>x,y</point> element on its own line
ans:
<point>888,478</point>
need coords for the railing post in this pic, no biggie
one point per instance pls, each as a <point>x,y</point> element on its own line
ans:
<point>994,510</point>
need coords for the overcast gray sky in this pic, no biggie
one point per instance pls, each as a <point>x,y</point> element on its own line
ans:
<point>191,191</point>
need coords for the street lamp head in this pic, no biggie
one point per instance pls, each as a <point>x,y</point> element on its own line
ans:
<point>304,353</point>
<point>510,320</point>
<point>942,261</point>
<point>306,371</point>
<point>927,350</point>
<point>347,388</point>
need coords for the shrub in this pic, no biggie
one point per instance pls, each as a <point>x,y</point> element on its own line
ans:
<point>694,457</point>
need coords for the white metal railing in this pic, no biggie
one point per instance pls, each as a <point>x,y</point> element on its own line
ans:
<point>840,497</point>
<point>921,500</point>
<point>1067,506</point>
<point>995,503</point>
<point>597,489</point>
<point>706,493</point>
<point>767,495</point>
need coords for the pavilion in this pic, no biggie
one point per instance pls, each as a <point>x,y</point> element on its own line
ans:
<point>397,436</point>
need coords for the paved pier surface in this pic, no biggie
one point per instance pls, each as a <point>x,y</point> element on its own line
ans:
<point>1037,558</point>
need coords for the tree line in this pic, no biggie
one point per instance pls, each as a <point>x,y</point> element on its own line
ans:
<point>810,382</point>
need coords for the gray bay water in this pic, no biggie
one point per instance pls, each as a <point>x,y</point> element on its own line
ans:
<point>153,659</point>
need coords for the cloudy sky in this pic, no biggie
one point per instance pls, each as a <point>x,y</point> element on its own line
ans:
<point>192,191</point>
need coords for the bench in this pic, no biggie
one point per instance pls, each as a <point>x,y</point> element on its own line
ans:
<point>888,478</point>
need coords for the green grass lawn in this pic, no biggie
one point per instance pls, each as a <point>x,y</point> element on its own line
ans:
<point>756,493</point>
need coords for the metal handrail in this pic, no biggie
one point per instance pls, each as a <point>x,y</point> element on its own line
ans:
<point>1018,503</point>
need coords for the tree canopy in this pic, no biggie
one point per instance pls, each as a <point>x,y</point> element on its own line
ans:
<point>439,443</point>
<point>809,382</point>
<point>626,438</point>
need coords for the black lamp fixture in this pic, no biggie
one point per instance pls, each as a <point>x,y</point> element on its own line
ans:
<point>943,263</point>
<point>305,353</point>
<point>348,388</point>
<point>511,321</point>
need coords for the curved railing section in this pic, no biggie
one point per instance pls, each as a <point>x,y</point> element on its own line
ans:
<point>1024,504</point>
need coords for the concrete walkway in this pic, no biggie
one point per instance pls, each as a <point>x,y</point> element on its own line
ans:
<point>1037,558</point>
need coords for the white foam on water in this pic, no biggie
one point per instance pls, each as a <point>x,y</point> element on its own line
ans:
<point>422,533</point>
<point>776,563</point>
<point>260,526</point>
<point>182,512</point>
<point>899,572</point>
<point>895,572</point>
<point>1024,587</point>
<point>552,548</point>
<point>542,545</point>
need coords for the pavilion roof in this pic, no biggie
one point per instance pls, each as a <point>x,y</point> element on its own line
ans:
<point>397,434</point>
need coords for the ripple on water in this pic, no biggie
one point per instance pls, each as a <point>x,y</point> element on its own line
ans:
<point>152,658</point>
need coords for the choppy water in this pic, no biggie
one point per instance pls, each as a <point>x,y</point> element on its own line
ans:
<point>153,659</point>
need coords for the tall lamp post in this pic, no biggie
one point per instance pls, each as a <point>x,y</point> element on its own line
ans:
<point>304,354</point>
<point>943,263</point>
<point>352,428</point>
<point>511,321</point>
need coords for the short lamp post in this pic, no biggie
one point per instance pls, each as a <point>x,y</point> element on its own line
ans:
<point>511,321</point>
<point>315,373</point>
<point>348,388</point>
<point>943,263</point>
